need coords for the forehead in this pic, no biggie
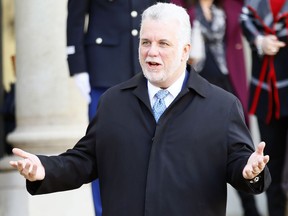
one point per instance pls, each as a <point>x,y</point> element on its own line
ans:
<point>160,29</point>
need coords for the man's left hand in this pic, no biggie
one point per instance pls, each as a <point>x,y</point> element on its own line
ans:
<point>256,162</point>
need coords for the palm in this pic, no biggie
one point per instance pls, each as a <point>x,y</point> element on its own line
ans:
<point>29,166</point>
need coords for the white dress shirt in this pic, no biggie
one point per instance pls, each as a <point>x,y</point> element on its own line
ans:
<point>174,90</point>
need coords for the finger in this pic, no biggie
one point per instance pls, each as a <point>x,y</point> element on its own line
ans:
<point>272,37</point>
<point>20,165</point>
<point>33,170</point>
<point>256,169</point>
<point>261,165</point>
<point>25,171</point>
<point>247,174</point>
<point>27,168</point>
<point>20,153</point>
<point>280,44</point>
<point>256,166</point>
<point>13,164</point>
<point>28,165</point>
<point>266,159</point>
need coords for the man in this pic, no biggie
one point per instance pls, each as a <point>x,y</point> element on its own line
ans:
<point>177,163</point>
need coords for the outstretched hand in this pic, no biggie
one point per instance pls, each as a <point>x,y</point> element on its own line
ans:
<point>29,166</point>
<point>256,162</point>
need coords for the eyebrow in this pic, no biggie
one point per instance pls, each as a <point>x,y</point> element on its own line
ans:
<point>161,40</point>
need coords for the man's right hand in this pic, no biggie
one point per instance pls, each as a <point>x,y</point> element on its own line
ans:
<point>82,81</point>
<point>29,166</point>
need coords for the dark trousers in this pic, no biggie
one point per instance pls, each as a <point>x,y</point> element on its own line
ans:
<point>248,203</point>
<point>274,135</point>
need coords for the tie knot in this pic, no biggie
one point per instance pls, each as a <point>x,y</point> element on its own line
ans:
<point>162,94</point>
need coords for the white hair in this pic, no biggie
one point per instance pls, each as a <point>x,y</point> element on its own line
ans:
<point>168,12</point>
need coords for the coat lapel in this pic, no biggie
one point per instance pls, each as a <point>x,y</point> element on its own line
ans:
<point>138,84</point>
<point>195,83</point>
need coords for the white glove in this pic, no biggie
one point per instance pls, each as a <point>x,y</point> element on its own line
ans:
<point>82,81</point>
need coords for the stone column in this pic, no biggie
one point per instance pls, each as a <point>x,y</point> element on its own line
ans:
<point>51,113</point>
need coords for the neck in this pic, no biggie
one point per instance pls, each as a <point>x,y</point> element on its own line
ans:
<point>206,3</point>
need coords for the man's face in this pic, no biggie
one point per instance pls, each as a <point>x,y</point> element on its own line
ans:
<point>162,57</point>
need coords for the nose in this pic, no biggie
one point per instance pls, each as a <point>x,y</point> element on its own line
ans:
<point>153,50</point>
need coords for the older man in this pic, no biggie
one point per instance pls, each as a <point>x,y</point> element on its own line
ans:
<point>165,142</point>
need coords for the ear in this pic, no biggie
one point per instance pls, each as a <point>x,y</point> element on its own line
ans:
<point>186,52</point>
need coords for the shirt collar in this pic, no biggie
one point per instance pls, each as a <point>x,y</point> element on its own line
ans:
<point>174,89</point>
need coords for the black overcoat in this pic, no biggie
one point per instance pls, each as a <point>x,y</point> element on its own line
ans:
<point>179,166</point>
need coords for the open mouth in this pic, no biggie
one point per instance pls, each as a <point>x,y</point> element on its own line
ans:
<point>153,64</point>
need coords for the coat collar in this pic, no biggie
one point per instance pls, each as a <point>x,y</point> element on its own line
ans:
<point>195,83</point>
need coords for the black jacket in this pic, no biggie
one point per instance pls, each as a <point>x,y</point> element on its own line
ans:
<point>179,166</point>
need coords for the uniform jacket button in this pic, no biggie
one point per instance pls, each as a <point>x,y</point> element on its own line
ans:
<point>134,14</point>
<point>99,40</point>
<point>134,32</point>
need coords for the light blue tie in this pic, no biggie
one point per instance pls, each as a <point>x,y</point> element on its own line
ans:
<point>159,105</point>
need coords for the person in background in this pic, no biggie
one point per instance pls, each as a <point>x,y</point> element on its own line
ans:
<point>148,142</point>
<point>102,46</point>
<point>265,26</point>
<point>224,63</point>
<point>8,112</point>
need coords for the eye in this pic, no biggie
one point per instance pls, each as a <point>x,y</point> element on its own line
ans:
<point>145,43</point>
<point>164,44</point>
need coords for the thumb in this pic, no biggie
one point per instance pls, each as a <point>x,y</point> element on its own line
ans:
<point>20,153</point>
<point>260,148</point>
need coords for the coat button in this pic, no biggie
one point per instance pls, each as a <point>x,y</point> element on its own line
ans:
<point>134,32</point>
<point>134,14</point>
<point>99,40</point>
